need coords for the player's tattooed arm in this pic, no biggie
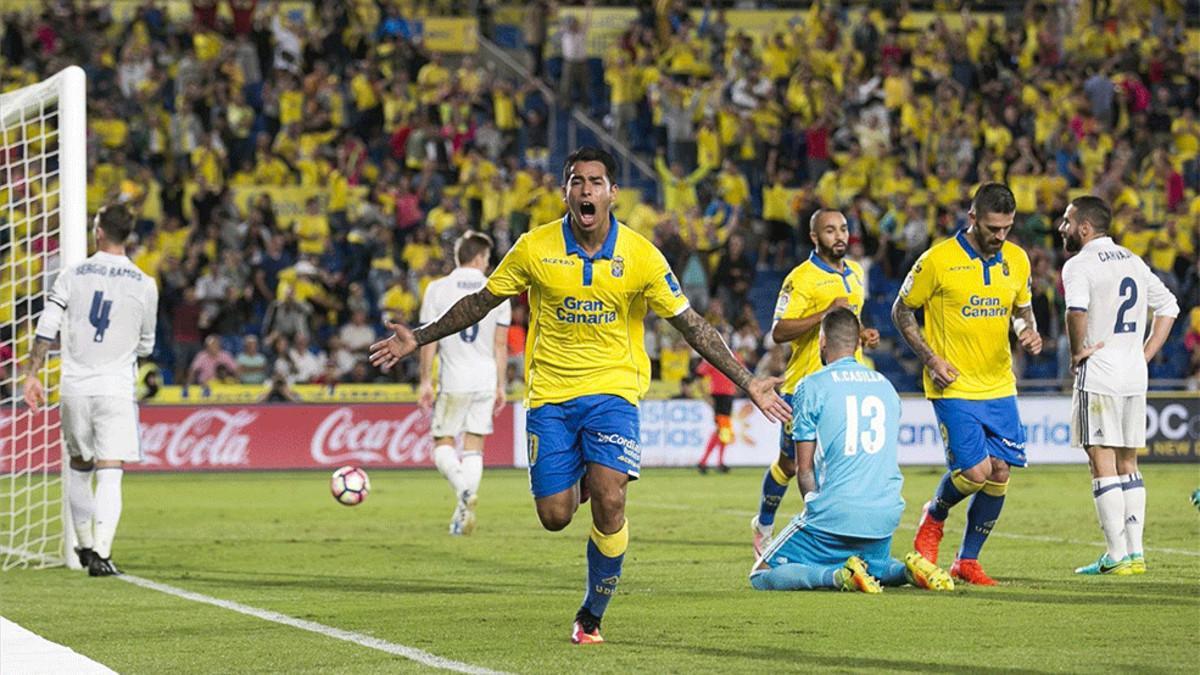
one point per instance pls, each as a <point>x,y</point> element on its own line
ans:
<point>35,394</point>
<point>37,358</point>
<point>906,322</point>
<point>708,343</point>
<point>941,371</point>
<point>464,313</point>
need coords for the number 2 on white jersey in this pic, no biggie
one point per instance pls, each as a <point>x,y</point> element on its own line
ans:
<point>872,438</point>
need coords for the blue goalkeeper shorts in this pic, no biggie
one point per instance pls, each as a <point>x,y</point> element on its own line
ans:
<point>562,438</point>
<point>975,430</point>
<point>810,546</point>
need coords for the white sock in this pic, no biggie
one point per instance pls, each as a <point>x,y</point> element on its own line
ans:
<point>1110,508</point>
<point>1134,490</point>
<point>108,508</point>
<point>83,505</point>
<point>446,459</point>
<point>472,470</point>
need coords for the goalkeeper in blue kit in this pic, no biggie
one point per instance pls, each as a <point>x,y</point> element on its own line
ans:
<point>846,421</point>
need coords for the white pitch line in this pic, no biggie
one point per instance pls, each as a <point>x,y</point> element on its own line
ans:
<point>410,653</point>
<point>1002,535</point>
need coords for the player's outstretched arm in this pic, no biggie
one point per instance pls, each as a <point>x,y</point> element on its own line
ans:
<point>403,341</point>
<point>905,318</point>
<point>708,343</point>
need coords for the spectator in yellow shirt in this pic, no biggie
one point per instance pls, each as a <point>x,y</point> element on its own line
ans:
<point>678,190</point>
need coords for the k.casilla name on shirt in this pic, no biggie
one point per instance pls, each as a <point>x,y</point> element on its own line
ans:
<point>574,310</point>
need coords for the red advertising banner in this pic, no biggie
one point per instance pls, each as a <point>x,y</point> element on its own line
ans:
<point>285,436</point>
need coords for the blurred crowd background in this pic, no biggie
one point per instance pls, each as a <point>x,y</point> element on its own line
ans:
<point>300,171</point>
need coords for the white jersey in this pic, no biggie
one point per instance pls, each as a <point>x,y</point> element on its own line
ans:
<point>1115,288</point>
<point>111,310</point>
<point>468,359</point>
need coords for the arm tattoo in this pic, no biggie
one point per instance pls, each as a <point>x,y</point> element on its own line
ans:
<point>906,322</point>
<point>708,342</point>
<point>466,312</point>
<point>37,357</point>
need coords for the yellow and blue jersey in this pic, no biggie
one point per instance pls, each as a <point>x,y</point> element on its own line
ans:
<point>585,312</point>
<point>808,289</point>
<point>968,302</point>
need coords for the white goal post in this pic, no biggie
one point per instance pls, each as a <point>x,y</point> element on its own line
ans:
<point>43,227</point>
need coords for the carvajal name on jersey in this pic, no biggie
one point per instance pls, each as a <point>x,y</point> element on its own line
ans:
<point>574,310</point>
<point>984,307</point>
<point>1118,254</point>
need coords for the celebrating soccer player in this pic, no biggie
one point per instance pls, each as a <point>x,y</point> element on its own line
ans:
<point>852,496</point>
<point>590,282</point>
<point>111,309</point>
<point>970,286</point>
<point>822,284</point>
<point>470,377</point>
<point>1108,289</point>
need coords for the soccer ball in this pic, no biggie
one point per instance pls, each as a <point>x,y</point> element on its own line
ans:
<point>350,485</point>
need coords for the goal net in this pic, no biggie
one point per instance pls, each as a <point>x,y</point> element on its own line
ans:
<point>43,215</point>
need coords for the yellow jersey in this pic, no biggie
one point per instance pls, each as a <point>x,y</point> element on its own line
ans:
<point>809,288</point>
<point>968,302</point>
<point>585,312</point>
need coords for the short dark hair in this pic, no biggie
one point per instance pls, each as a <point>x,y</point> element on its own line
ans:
<point>1093,210</point>
<point>590,154</point>
<point>993,198</point>
<point>841,329</point>
<point>470,245</point>
<point>117,222</point>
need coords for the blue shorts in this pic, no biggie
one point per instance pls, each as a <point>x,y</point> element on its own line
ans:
<point>563,437</point>
<point>787,444</point>
<point>975,430</point>
<point>810,546</point>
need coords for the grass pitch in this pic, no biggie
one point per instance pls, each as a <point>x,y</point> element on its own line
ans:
<point>504,597</point>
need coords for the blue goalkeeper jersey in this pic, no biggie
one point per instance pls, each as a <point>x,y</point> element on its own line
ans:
<point>853,415</point>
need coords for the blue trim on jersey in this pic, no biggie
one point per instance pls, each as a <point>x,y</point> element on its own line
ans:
<point>43,338</point>
<point>606,251</point>
<point>824,267</point>
<point>997,259</point>
<point>1076,309</point>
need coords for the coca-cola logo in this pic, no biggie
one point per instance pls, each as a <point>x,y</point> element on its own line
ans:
<point>339,439</point>
<point>205,438</point>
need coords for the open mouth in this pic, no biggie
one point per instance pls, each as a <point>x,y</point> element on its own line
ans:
<point>587,212</point>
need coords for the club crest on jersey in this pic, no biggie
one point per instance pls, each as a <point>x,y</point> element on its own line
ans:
<point>618,266</point>
<point>1004,267</point>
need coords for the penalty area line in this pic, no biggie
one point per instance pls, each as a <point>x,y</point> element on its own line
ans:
<point>404,651</point>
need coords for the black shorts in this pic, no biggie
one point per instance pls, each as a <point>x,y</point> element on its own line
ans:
<point>722,404</point>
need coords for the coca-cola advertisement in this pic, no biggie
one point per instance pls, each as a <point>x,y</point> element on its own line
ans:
<point>188,438</point>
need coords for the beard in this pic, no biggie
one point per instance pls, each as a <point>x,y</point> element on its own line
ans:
<point>1072,243</point>
<point>832,253</point>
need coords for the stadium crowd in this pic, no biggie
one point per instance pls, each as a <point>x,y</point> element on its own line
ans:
<point>385,152</point>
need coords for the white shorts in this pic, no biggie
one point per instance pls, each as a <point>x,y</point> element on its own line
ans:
<point>101,428</point>
<point>469,412</point>
<point>1108,421</point>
